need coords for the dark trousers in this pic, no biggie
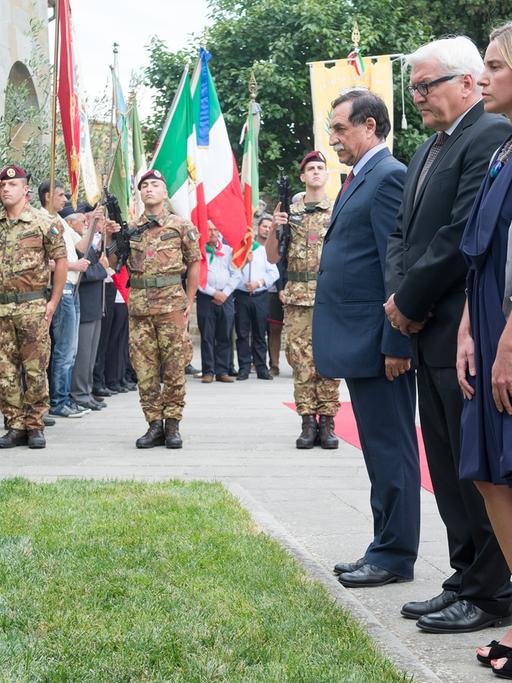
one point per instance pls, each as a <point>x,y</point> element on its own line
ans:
<point>251,311</point>
<point>385,416</point>
<point>215,324</point>
<point>106,326</point>
<point>481,574</point>
<point>116,361</point>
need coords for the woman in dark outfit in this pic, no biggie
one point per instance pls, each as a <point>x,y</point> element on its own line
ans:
<point>484,355</point>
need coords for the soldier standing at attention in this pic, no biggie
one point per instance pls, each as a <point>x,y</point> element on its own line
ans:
<point>309,221</point>
<point>28,240</point>
<point>159,308</point>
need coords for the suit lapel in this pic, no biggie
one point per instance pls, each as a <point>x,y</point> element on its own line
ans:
<point>355,184</point>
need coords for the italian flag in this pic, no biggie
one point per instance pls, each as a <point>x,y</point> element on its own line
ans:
<point>176,157</point>
<point>356,60</point>
<point>250,186</point>
<point>222,191</point>
<point>137,159</point>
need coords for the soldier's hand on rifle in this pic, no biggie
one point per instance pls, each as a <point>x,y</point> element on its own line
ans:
<point>279,217</point>
<point>82,264</point>
<point>111,227</point>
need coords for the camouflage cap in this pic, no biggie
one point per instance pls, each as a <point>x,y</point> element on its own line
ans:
<point>152,174</point>
<point>11,171</point>
<point>315,155</point>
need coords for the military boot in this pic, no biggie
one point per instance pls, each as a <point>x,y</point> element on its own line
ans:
<point>36,438</point>
<point>326,430</point>
<point>14,437</point>
<point>172,433</point>
<point>153,437</point>
<point>307,437</point>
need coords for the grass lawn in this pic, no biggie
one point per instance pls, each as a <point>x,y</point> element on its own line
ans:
<point>110,582</point>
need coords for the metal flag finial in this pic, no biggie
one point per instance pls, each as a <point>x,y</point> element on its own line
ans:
<point>356,36</point>
<point>253,86</point>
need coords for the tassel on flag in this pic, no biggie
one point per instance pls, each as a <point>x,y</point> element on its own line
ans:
<point>356,60</point>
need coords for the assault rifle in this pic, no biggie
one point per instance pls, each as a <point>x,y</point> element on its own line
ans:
<point>284,234</point>
<point>121,240</point>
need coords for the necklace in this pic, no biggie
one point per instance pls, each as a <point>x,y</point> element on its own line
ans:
<point>503,157</point>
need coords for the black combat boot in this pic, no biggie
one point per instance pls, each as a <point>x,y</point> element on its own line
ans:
<point>14,437</point>
<point>326,430</point>
<point>308,435</point>
<point>153,437</point>
<point>172,433</point>
<point>36,438</point>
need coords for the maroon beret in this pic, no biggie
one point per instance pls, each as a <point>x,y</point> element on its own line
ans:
<point>150,175</point>
<point>11,171</point>
<point>315,155</point>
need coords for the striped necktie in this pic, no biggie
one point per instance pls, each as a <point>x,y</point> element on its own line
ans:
<point>346,183</point>
<point>432,156</point>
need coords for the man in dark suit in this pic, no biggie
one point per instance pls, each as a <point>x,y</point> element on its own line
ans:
<point>353,339</point>
<point>426,279</point>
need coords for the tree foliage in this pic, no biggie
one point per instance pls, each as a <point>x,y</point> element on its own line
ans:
<point>277,38</point>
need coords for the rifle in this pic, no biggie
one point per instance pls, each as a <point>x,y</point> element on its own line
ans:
<point>121,240</point>
<point>284,233</point>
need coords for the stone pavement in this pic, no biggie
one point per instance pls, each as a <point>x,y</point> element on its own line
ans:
<point>315,502</point>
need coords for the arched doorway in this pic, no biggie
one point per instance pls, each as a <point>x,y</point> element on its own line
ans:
<point>21,105</point>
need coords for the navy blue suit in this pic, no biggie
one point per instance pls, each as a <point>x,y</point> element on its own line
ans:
<point>351,338</point>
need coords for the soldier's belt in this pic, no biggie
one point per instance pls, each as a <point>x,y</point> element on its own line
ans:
<point>162,281</point>
<point>302,276</point>
<point>21,297</point>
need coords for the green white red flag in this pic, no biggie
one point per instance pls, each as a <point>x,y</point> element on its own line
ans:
<point>138,164</point>
<point>250,183</point>
<point>220,180</point>
<point>356,60</point>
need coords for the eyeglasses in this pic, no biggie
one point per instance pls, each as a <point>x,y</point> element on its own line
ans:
<point>424,88</point>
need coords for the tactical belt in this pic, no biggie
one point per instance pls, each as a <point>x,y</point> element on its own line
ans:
<point>161,281</point>
<point>21,297</point>
<point>301,276</point>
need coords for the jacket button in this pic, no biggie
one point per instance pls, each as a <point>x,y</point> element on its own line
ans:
<point>320,272</point>
<point>406,246</point>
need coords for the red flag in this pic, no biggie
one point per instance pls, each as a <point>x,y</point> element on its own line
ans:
<point>68,98</point>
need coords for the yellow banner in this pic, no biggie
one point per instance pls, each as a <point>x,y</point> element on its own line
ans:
<point>328,80</point>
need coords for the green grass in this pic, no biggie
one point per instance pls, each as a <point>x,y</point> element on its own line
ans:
<point>104,582</point>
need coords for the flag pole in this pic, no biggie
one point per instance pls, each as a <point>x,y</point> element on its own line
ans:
<point>113,107</point>
<point>53,140</point>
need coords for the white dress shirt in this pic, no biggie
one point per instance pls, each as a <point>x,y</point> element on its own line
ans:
<point>259,269</point>
<point>222,277</point>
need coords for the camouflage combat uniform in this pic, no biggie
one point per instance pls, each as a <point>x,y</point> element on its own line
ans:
<point>158,331</point>
<point>314,395</point>
<point>26,245</point>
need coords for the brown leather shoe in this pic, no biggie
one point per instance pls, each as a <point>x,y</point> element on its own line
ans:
<point>36,438</point>
<point>328,438</point>
<point>172,433</point>
<point>207,379</point>
<point>224,378</point>
<point>274,371</point>
<point>308,435</point>
<point>14,437</point>
<point>153,437</point>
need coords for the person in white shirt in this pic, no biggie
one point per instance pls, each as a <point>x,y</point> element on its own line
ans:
<point>216,309</point>
<point>251,311</point>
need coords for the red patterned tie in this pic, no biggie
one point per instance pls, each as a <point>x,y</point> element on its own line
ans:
<point>346,183</point>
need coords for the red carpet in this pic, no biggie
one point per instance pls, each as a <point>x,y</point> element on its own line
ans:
<point>346,428</point>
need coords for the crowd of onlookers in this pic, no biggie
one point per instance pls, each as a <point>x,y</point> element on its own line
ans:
<point>89,331</point>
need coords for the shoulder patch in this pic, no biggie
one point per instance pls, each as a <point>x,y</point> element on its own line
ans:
<point>192,234</point>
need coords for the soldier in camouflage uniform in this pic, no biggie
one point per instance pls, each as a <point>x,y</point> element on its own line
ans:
<point>28,240</point>
<point>159,309</point>
<point>309,221</point>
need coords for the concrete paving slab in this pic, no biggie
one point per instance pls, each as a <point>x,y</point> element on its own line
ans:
<point>316,503</point>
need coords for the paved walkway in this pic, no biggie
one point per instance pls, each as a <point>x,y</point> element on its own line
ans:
<point>315,502</point>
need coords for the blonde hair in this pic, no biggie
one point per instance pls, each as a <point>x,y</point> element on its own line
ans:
<point>503,37</point>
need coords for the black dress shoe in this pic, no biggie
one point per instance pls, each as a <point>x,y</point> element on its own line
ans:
<point>13,437</point>
<point>131,386</point>
<point>415,610</point>
<point>102,392</point>
<point>118,388</point>
<point>36,438</point>
<point>346,567</point>
<point>242,375</point>
<point>153,437</point>
<point>191,370</point>
<point>264,374</point>
<point>48,421</point>
<point>89,405</point>
<point>368,576</point>
<point>460,617</point>
<point>99,405</point>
